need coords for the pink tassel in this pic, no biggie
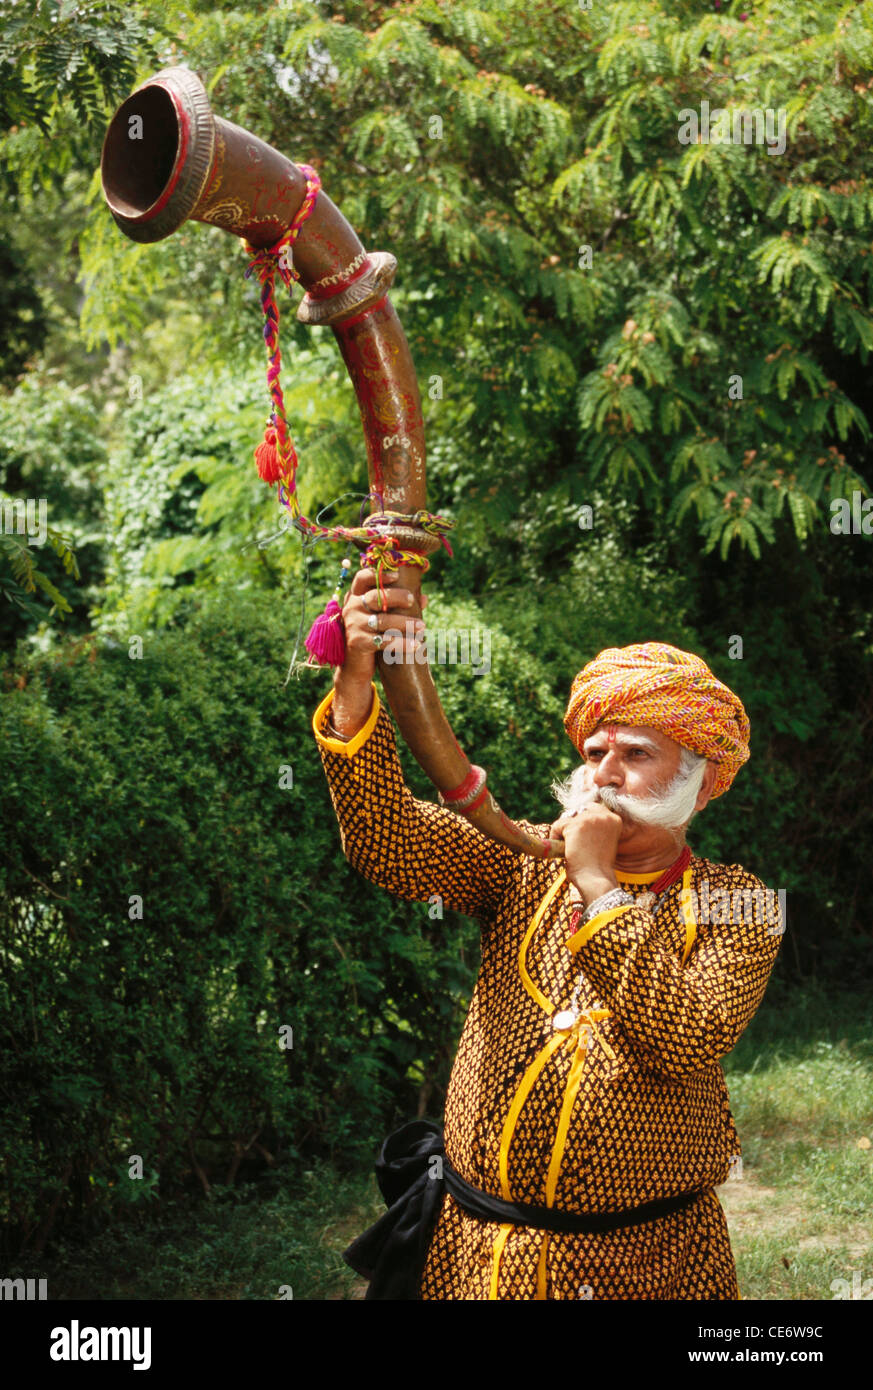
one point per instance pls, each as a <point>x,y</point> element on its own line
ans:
<point>327,638</point>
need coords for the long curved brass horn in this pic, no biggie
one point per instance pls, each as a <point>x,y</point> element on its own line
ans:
<point>168,159</point>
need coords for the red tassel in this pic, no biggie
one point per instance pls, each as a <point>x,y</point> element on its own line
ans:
<point>327,638</point>
<point>267,457</point>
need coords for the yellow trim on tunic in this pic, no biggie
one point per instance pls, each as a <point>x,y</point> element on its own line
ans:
<point>496,1252</point>
<point>573,1082</point>
<point>685,903</point>
<point>526,980</point>
<point>601,920</point>
<point>541,1266</point>
<point>578,1038</point>
<point>555,1041</point>
<point>573,1039</point>
<point>336,745</point>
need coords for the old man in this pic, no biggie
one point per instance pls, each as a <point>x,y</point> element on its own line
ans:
<point>587,1122</point>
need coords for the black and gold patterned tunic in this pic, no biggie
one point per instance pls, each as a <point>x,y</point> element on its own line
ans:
<point>628,1106</point>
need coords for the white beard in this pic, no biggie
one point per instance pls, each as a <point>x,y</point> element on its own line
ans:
<point>669,808</point>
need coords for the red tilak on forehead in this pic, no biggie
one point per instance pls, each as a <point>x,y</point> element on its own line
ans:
<point>610,732</point>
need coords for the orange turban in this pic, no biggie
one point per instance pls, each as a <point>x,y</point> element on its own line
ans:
<point>660,687</point>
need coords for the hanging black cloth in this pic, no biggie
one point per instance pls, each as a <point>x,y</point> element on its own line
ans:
<point>392,1253</point>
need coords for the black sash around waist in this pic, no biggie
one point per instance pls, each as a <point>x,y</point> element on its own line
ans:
<point>414,1174</point>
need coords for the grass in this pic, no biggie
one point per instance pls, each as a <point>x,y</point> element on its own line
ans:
<point>801,1087</point>
<point>241,1244</point>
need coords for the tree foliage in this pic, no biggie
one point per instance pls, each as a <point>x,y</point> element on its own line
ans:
<point>687,325</point>
<point>557,130</point>
<point>651,370</point>
<point>199,901</point>
<point>53,52</point>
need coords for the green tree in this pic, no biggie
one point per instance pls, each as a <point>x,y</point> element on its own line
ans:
<point>594,293</point>
<point>63,64</point>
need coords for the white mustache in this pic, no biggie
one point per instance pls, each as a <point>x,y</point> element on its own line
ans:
<point>668,807</point>
<point>608,797</point>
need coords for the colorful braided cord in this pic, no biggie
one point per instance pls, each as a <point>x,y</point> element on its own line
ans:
<point>381,552</point>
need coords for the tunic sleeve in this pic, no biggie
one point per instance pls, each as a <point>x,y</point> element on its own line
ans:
<point>682,1018</point>
<point>411,848</point>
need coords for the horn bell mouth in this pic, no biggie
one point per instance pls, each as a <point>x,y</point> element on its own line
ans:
<point>157,155</point>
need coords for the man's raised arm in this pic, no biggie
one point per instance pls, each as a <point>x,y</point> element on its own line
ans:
<point>412,848</point>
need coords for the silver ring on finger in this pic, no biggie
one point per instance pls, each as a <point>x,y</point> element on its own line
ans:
<point>378,638</point>
<point>373,622</point>
<point>364,603</point>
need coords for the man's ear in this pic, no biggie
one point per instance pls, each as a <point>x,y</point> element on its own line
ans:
<point>706,785</point>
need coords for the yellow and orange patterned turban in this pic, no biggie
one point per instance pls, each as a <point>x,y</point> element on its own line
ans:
<point>660,687</point>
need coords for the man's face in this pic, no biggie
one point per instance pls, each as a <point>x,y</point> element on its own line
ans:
<point>635,773</point>
<point>632,761</point>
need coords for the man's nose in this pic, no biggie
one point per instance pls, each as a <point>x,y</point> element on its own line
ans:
<point>608,772</point>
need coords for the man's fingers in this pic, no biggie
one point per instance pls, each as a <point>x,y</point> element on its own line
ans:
<point>363,596</point>
<point>594,811</point>
<point>366,579</point>
<point>387,622</point>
